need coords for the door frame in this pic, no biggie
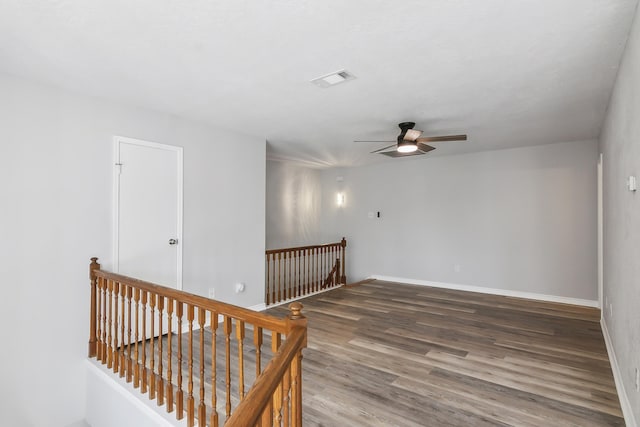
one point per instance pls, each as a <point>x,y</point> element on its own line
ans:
<point>601,234</point>
<point>117,140</point>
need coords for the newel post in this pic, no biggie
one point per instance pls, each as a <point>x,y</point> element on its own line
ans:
<point>343,243</point>
<point>93,267</point>
<point>296,318</point>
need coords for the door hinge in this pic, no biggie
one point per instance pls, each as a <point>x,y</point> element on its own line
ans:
<point>119,166</point>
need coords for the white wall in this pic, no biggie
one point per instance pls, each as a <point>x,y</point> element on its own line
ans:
<point>57,212</point>
<point>112,402</point>
<point>620,145</point>
<point>522,219</point>
<point>293,205</point>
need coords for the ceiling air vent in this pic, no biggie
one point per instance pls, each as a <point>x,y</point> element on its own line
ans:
<point>333,79</point>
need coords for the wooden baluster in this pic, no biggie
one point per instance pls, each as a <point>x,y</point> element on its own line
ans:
<point>143,362</point>
<point>285,282</point>
<point>296,390</point>
<point>136,368</point>
<point>190,400</point>
<point>267,285</point>
<point>180,395</point>
<point>279,276</point>
<point>115,357</point>
<point>294,277</point>
<point>240,338</point>
<point>152,347</point>
<point>290,285</point>
<point>309,270</point>
<point>100,338</point>
<point>323,265</point>
<point>317,281</point>
<point>105,344</point>
<point>286,383</point>
<point>123,294</point>
<point>300,267</point>
<point>169,392</point>
<point>267,415</point>
<point>160,378</point>
<point>327,267</point>
<point>277,405</point>
<point>257,342</point>
<point>276,341</point>
<point>214,400</point>
<point>317,270</point>
<point>306,272</point>
<point>310,276</point>
<point>292,274</point>
<point>343,245</point>
<point>273,281</point>
<point>93,323</point>
<point>202,408</point>
<point>110,326</point>
<point>227,343</point>
<point>129,358</point>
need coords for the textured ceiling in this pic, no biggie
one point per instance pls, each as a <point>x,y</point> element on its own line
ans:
<point>506,72</point>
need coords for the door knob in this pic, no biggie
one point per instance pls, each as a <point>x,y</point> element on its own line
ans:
<point>173,241</point>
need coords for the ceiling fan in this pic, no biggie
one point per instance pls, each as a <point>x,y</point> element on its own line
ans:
<point>410,143</point>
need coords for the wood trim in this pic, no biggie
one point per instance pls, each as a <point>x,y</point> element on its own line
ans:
<point>298,248</point>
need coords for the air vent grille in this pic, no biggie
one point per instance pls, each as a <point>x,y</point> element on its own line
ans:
<point>333,79</point>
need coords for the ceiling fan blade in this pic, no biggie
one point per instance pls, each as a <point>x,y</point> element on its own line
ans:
<point>425,148</point>
<point>412,134</point>
<point>395,153</point>
<point>360,140</point>
<point>442,138</point>
<point>382,149</point>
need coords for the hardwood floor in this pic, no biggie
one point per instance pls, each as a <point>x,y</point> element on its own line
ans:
<point>388,354</point>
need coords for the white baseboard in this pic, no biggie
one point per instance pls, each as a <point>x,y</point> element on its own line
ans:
<point>290,300</point>
<point>627,411</point>
<point>492,291</point>
<point>258,307</point>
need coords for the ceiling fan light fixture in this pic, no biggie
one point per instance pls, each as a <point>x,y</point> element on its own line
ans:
<point>407,147</point>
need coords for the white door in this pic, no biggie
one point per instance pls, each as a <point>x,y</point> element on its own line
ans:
<point>148,217</point>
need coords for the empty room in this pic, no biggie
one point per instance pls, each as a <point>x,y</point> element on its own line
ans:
<point>320,213</point>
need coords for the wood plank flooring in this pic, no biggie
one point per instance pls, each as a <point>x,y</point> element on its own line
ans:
<point>389,354</point>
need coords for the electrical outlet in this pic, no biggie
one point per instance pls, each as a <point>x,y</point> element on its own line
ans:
<point>212,293</point>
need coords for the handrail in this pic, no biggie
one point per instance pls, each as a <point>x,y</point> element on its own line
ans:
<point>135,326</point>
<point>291,273</point>
<point>257,402</point>
<point>299,248</point>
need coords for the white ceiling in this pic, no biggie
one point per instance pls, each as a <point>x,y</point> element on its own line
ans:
<point>506,72</point>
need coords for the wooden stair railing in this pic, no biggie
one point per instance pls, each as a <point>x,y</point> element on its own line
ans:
<point>189,352</point>
<point>295,272</point>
